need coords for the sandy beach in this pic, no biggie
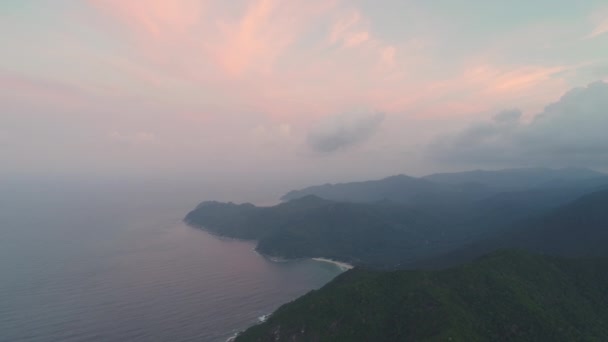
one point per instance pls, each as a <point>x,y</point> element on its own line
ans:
<point>344,266</point>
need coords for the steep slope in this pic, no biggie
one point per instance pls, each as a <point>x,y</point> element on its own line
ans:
<point>507,296</point>
<point>577,229</point>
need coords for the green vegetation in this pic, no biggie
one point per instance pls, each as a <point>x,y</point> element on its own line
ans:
<point>383,234</point>
<point>390,235</point>
<point>506,296</point>
<point>376,234</point>
<point>426,225</point>
<point>578,229</point>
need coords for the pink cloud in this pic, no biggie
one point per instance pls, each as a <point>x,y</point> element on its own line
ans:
<point>496,80</point>
<point>266,29</point>
<point>600,29</point>
<point>165,36</point>
<point>349,30</point>
<point>251,39</point>
<point>476,89</point>
<point>158,19</point>
<point>356,39</point>
<point>294,61</point>
<point>15,87</point>
<point>343,25</point>
<point>600,21</point>
<point>387,57</point>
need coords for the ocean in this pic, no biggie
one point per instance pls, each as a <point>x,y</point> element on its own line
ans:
<point>116,263</point>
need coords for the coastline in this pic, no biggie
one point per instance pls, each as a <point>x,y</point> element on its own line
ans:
<point>217,234</point>
<point>342,265</point>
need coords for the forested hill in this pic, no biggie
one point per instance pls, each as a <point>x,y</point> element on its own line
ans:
<point>506,296</point>
<point>577,229</point>
<point>415,237</point>
<point>389,234</point>
<point>373,234</point>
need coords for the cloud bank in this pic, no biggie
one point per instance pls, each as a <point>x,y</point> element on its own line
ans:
<point>571,131</point>
<point>342,131</point>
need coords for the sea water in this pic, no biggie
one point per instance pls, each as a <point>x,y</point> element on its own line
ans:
<point>118,264</point>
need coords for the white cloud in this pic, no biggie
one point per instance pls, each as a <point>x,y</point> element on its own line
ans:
<point>272,134</point>
<point>571,131</point>
<point>600,22</point>
<point>342,131</point>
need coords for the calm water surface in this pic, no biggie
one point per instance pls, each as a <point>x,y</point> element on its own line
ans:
<point>116,265</point>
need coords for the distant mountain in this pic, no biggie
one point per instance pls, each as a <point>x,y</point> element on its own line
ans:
<point>453,187</point>
<point>400,188</point>
<point>517,179</point>
<point>506,296</point>
<point>388,234</point>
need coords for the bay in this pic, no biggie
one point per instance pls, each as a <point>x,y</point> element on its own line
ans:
<point>93,264</point>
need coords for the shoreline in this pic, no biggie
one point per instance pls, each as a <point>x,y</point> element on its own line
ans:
<point>216,234</point>
<point>342,265</point>
<point>233,337</point>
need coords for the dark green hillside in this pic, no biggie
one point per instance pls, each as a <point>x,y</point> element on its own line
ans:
<point>507,296</point>
<point>390,234</point>
<point>246,221</point>
<point>377,234</point>
<point>226,219</point>
<point>577,229</point>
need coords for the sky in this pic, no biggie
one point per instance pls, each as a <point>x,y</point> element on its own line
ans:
<point>266,92</point>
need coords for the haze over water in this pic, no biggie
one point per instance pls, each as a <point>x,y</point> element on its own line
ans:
<point>102,264</point>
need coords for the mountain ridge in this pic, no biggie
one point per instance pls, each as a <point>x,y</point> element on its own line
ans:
<point>469,185</point>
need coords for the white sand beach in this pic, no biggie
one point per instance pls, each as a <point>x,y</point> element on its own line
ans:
<point>343,266</point>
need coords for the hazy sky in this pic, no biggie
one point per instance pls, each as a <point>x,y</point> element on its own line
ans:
<point>299,92</point>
